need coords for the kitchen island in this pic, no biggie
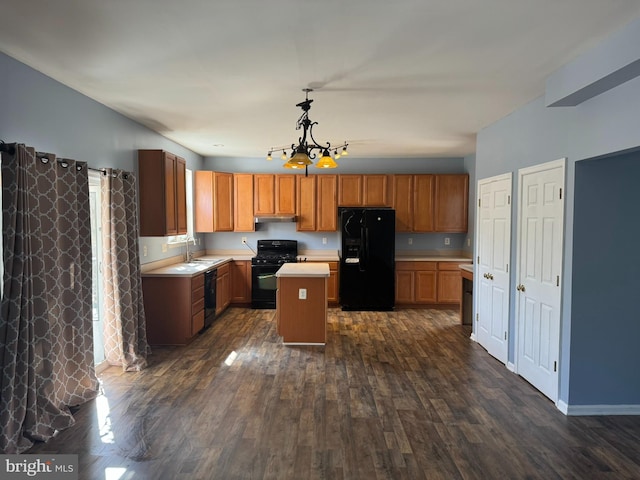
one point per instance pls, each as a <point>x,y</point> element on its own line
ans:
<point>301,303</point>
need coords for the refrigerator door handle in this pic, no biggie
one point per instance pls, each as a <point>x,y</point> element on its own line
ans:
<point>364,251</point>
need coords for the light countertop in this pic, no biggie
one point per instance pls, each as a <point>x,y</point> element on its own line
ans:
<point>431,258</point>
<point>467,267</point>
<point>304,269</point>
<point>199,265</point>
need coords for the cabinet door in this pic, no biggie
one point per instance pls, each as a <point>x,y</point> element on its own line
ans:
<point>375,191</point>
<point>426,286</point>
<point>203,200</point>
<point>223,202</point>
<point>306,198</point>
<point>264,191</point>
<point>449,289</point>
<point>285,196</point>
<point>181,195</point>
<point>451,203</point>
<point>243,202</point>
<point>402,194</point>
<point>350,190</point>
<point>405,282</point>
<point>240,281</point>
<point>423,203</point>
<point>171,221</point>
<point>327,206</point>
<point>163,208</point>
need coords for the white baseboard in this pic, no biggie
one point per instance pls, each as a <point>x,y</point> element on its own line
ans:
<point>473,337</point>
<point>511,367</point>
<point>584,410</point>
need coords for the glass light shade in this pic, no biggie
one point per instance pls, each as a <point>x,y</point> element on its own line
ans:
<point>269,157</point>
<point>300,158</point>
<point>326,162</point>
<point>344,151</point>
<point>292,165</point>
<point>284,155</point>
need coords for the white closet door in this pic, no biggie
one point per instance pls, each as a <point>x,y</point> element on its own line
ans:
<point>540,234</point>
<point>492,272</point>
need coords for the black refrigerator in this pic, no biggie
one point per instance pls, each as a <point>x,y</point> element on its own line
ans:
<point>367,258</point>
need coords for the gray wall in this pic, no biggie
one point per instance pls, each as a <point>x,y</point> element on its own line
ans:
<point>605,327</point>
<point>40,112</point>
<point>536,134</point>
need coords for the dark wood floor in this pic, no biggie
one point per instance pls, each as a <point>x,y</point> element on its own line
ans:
<point>393,395</point>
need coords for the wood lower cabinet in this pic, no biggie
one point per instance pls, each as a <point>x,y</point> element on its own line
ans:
<point>416,282</point>
<point>240,282</point>
<point>163,199</point>
<point>427,283</point>
<point>449,282</point>
<point>332,284</point>
<point>174,308</point>
<point>223,290</point>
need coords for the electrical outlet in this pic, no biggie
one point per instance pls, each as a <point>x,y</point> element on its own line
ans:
<point>447,241</point>
<point>244,240</point>
<point>164,248</point>
<point>410,241</point>
<point>302,293</point>
<point>324,240</point>
<point>468,242</point>
<point>145,251</point>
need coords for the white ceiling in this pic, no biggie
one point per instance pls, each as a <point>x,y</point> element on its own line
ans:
<point>403,78</point>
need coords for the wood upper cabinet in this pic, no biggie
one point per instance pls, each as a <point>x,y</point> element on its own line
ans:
<point>423,203</point>
<point>264,187</point>
<point>375,192</point>
<point>285,195</point>
<point>240,279</point>
<point>306,203</point>
<point>243,220</point>
<point>317,203</point>
<point>363,190</point>
<point>163,199</point>
<point>451,203</point>
<point>350,190</point>
<point>213,205</point>
<point>402,201</point>
<point>327,204</point>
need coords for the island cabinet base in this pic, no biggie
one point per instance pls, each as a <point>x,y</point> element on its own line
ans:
<point>302,321</point>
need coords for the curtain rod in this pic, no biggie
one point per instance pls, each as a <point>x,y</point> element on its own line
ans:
<point>10,149</point>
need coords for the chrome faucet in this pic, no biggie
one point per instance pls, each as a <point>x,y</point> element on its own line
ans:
<point>188,256</point>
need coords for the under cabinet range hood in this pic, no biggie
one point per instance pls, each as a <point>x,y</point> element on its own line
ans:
<point>275,219</point>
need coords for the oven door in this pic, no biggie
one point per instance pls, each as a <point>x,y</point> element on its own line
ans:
<point>263,286</point>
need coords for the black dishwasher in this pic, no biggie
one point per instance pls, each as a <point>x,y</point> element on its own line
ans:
<point>210,278</point>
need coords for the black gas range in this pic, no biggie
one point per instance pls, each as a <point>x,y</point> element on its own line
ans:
<point>270,256</point>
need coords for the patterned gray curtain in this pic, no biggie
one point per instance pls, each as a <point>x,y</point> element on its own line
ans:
<point>125,334</point>
<point>46,337</point>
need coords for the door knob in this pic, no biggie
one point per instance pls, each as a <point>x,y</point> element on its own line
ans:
<point>520,288</point>
<point>491,276</point>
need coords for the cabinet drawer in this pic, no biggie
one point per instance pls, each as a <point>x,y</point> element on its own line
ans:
<point>197,306</point>
<point>197,294</point>
<point>197,282</point>
<point>449,265</point>
<point>414,266</point>
<point>222,270</point>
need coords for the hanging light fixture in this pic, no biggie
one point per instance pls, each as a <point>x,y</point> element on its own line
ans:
<point>303,154</point>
